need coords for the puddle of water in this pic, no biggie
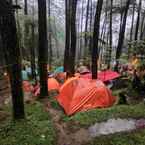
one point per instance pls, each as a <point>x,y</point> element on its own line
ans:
<point>112,126</point>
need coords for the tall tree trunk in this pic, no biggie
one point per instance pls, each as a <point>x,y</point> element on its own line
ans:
<point>32,49</point>
<point>96,39</point>
<point>138,20</point>
<point>56,39</point>
<point>73,38</point>
<point>43,47</point>
<point>26,29</point>
<point>103,34</point>
<point>121,15</point>
<point>143,32</point>
<point>91,19</point>
<point>81,39</point>
<point>25,7</point>
<point>78,37</point>
<point>110,40</point>
<point>12,55</point>
<point>142,25</point>
<point>33,67</point>
<point>121,35</point>
<point>132,23</point>
<point>19,33</point>
<point>67,35</point>
<point>50,36</point>
<point>86,27</point>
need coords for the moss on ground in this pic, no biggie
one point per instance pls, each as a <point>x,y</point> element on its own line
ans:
<point>88,118</point>
<point>36,130</point>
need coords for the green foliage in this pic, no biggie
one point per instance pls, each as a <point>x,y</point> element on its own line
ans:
<point>137,47</point>
<point>36,130</point>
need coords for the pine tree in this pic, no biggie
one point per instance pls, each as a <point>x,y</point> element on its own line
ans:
<point>43,48</point>
<point>95,55</point>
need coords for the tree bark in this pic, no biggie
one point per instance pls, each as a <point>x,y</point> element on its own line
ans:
<point>25,7</point>
<point>33,67</point>
<point>121,35</point>
<point>96,39</point>
<point>110,40</point>
<point>73,38</point>
<point>86,27</point>
<point>50,36</point>
<point>132,23</point>
<point>91,20</point>
<point>142,26</point>
<point>67,35</point>
<point>43,48</point>
<point>138,21</point>
<point>81,39</point>
<point>12,56</point>
<point>56,39</point>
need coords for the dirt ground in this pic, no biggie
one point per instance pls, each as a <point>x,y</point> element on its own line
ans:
<point>67,133</point>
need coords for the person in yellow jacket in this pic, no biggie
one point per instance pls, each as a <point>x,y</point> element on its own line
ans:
<point>134,61</point>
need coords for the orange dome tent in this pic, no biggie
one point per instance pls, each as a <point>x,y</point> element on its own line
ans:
<point>52,85</point>
<point>78,94</point>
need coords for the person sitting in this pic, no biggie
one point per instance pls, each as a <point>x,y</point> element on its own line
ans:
<point>133,62</point>
<point>138,80</point>
<point>136,89</point>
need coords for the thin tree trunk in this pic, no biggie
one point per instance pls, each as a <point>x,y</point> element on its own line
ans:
<point>121,15</point>
<point>73,38</point>
<point>43,47</point>
<point>91,19</point>
<point>25,7</point>
<point>132,23</point>
<point>19,33</point>
<point>96,39</point>
<point>110,40</point>
<point>86,27</point>
<point>102,36</point>
<point>81,39</point>
<point>142,25</point>
<point>12,55</point>
<point>78,38</point>
<point>56,39</point>
<point>50,36</point>
<point>67,35</point>
<point>121,35</point>
<point>138,20</point>
<point>33,67</point>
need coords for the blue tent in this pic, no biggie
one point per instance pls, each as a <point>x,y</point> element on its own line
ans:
<point>25,75</point>
<point>59,69</point>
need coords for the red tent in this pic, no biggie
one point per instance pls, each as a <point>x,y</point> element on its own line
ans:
<point>27,87</point>
<point>108,75</point>
<point>103,75</point>
<point>78,94</point>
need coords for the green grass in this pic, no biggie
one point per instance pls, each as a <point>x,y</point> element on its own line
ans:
<point>133,138</point>
<point>88,118</point>
<point>36,130</point>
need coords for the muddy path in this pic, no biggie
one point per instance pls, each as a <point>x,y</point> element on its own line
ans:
<point>68,133</point>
